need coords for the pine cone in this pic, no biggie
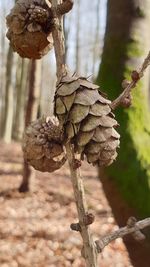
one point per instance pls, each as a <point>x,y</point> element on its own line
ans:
<point>87,119</point>
<point>29,28</point>
<point>42,145</point>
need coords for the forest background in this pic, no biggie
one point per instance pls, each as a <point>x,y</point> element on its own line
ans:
<point>104,47</point>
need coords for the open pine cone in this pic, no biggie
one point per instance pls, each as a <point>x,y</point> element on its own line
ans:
<point>87,119</point>
<point>42,145</point>
<point>29,28</point>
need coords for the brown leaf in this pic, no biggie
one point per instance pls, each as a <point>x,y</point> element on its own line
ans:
<point>78,113</point>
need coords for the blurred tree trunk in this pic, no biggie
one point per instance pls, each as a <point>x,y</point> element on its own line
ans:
<point>78,38</point>
<point>2,68</point>
<point>97,30</point>
<point>21,87</point>
<point>127,42</point>
<point>31,114</point>
<point>8,113</point>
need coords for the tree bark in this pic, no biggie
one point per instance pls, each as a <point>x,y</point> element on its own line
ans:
<point>127,42</point>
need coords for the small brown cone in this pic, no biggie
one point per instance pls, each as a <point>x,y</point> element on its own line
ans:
<point>87,119</point>
<point>29,28</point>
<point>42,145</point>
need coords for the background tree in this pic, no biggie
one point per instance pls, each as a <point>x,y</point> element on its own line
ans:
<point>31,114</point>
<point>21,85</point>
<point>8,110</point>
<point>127,41</point>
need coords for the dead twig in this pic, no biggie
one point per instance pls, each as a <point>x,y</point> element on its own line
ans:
<point>89,248</point>
<point>133,227</point>
<point>125,97</point>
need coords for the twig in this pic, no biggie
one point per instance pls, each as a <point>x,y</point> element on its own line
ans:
<point>132,227</point>
<point>58,38</point>
<point>89,251</point>
<point>124,98</point>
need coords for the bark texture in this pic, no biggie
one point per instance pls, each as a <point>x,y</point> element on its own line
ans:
<point>127,41</point>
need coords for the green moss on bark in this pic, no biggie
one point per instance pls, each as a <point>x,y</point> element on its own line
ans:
<point>131,171</point>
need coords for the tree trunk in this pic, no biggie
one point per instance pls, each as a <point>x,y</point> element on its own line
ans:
<point>31,114</point>
<point>21,87</point>
<point>78,38</point>
<point>127,42</point>
<point>8,117</point>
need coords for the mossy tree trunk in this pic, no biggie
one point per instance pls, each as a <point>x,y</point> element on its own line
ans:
<point>127,42</point>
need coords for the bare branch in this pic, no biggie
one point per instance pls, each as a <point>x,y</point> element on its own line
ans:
<point>65,7</point>
<point>132,227</point>
<point>89,251</point>
<point>125,97</point>
<point>58,37</point>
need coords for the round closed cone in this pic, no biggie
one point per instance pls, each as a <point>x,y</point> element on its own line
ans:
<point>87,119</point>
<point>29,28</point>
<point>42,145</point>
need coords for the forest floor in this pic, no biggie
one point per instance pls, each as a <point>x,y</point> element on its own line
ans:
<point>35,226</point>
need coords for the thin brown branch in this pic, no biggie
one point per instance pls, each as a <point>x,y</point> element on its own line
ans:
<point>124,98</point>
<point>89,251</point>
<point>133,229</point>
<point>58,37</point>
<point>65,7</point>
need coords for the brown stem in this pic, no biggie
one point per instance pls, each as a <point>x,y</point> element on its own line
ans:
<point>89,251</point>
<point>58,37</point>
